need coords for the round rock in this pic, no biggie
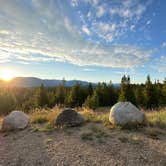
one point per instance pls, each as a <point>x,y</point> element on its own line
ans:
<point>15,120</point>
<point>69,117</point>
<point>125,113</point>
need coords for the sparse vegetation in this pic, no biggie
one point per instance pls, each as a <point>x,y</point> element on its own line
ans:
<point>153,119</point>
<point>135,139</point>
<point>39,118</point>
<point>95,133</point>
<point>152,132</point>
<point>45,117</point>
<point>96,117</point>
<point>87,136</point>
<point>157,118</point>
<point>123,139</point>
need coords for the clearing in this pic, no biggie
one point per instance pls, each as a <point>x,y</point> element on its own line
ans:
<point>91,144</point>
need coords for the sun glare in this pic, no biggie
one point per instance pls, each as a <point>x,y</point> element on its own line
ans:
<point>7,75</point>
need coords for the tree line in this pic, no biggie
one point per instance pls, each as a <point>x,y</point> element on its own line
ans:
<point>148,95</point>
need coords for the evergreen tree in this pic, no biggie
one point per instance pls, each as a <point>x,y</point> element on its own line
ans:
<point>123,89</point>
<point>149,94</point>
<point>126,90</point>
<point>76,96</point>
<point>61,92</point>
<point>7,103</point>
<point>41,97</point>
<point>112,94</point>
<point>89,89</point>
<point>164,93</point>
<point>158,96</point>
<point>139,96</point>
<point>122,95</point>
<point>102,93</point>
<point>92,101</point>
<point>52,99</point>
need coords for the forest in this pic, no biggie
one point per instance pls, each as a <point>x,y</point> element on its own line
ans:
<point>150,95</point>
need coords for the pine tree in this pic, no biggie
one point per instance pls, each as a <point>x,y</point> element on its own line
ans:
<point>122,95</point>
<point>126,90</point>
<point>41,97</point>
<point>89,89</point>
<point>158,93</point>
<point>164,93</point>
<point>123,89</point>
<point>111,94</point>
<point>149,94</point>
<point>52,99</point>
<point>7,103</point>
<point>102,93</point>
<point>92,101</point>
<point>139,96</point>
<point>76,96</point>
<point>61,92</point>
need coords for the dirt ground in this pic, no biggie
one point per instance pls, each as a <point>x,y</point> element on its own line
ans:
<point>89,145</point>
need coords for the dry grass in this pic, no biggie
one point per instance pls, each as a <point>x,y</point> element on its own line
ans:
<point>1,119</point>
<point>96,117</point>
<point>156,118</point>
<point>46,117</point>
<point>43,116</point>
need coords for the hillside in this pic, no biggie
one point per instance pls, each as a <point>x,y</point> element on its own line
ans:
<point>35,82</point>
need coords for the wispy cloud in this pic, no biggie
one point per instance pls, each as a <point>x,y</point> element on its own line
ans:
<point>111,20</point>
<point>163,44</point>
<point>100,11</point>
<point>37,32</point>
<point>86,30</point>
<point>161,64</point>
<point>89,69</point>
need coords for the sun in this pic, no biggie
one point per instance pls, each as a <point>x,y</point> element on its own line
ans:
<point>7,75</point>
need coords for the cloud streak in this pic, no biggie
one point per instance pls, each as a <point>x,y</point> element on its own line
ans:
<point>42,31</point>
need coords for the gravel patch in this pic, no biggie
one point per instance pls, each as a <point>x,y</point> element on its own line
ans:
<point>65,147</point>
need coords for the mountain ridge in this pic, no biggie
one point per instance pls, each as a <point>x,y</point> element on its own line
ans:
<point>36,82</point>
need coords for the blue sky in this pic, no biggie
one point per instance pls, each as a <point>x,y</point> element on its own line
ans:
<point>93,40</point>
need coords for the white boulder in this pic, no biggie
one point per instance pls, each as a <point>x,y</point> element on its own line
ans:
<point>15,120</point>
<point>125,113</point>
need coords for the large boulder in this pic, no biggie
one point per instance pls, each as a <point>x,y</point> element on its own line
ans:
<point>69,117</point>
<point>125,113</point>
<point>15,120</point>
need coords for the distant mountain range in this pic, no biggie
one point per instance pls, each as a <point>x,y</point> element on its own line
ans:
<point>36,82</point>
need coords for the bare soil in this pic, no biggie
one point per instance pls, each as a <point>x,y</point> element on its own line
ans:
<point>83,146</point>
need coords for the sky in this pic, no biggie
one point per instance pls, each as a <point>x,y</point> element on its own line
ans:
<point>91,40</point>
